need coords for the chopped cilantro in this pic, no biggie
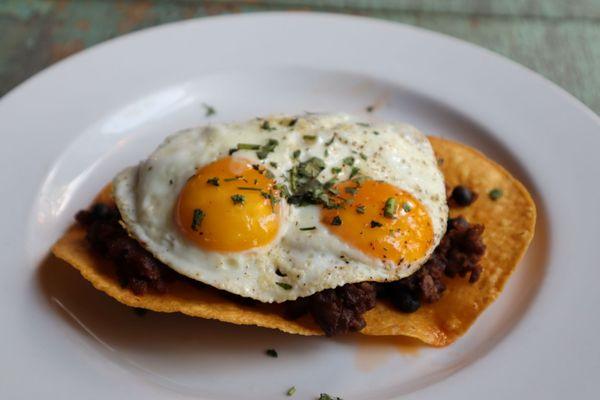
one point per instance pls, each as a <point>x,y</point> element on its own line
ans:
<point>309,138</point>
<point>336,221</point>
<point>249,188</point>
<point>305,187</point>
<point>291,391</point>
<point>266,125</point>
<point>272,353</point>
<point>311,168</point>
<point>370,109</point>
<point>284,285</point>
<point>376,224</point>
<point>375,132</point>
<point>238,199</point>
<point>363,124</point>
<point>266,149</point>
<point>247,146</point>
<point>389,210</point>
<point>293,122</point>
<point>330,141</point>
<point>495,194</point>
<point>360,209</point>
<point>348,160</point>
<point>197,218</point>
<point>236,178</point>
<point>296,154</point>
<point>336,170</point>
<point>354,171</point>
<point>308,228</point>
<point>213,181</point>
<point>407,206</point>
<point>363,156</point>
<point>273,164</point>
<point>208,110</point>
<point>325,396</point>
<point>350,190</point>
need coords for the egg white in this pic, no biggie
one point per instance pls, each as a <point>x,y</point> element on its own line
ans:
<point>310,260</point>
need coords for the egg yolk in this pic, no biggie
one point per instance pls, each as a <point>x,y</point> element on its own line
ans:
<point>228,205</point>
<point>380,220</point>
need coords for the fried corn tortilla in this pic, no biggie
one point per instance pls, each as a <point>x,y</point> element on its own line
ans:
<point>509,225</point>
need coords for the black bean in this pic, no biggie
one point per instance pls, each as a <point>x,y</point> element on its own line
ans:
<point>103,211</point>
<point>404,300</point>
<point>463,196</point>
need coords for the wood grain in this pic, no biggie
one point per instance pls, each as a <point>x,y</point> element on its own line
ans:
<point>559,39</point>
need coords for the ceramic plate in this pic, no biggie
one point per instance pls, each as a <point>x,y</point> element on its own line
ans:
<point>69,129</point>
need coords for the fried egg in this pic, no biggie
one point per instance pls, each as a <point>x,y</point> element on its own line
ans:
<point>280,208</point>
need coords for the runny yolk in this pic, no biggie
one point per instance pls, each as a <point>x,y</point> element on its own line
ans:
<point>398,230</point>
<point>228,205</point>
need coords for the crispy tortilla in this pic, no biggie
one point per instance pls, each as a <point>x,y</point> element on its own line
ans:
<point>509,225</point>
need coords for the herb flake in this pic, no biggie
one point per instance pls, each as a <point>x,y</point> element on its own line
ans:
<point>336,221</point>
<point>495,194</point>
<point>266,125</point>
<point>208,110</point>
<point>284,285</point>
<point>238,199</point>
<point>308,228</point>
<point>247,146</point>
<point>325,396</point>
<point>213,181</point>
<point>271,353</point>
<point>348,161</point>
<point>269,147</point>
<point>376,224</point>
<point>197,218</point>
<point>291,391</point>
<point>389,210</point>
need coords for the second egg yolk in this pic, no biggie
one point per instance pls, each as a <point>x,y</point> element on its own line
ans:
<point>228,205</point>
<point>380,220</point>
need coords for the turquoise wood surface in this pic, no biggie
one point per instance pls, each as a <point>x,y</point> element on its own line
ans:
<point>560,39</point>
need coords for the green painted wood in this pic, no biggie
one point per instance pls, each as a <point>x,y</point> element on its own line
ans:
<point>559,39</point>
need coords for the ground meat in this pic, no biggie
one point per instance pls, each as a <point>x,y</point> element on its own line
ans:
<point>458,253</point>
<point>136,268</point>
<point>337,310</point>
<point>462,248</point>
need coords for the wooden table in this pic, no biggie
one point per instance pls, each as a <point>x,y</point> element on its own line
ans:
<point>560,39</point>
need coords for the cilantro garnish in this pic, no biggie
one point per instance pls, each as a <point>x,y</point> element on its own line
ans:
<point>284,285</point>
<point>197,218</point>
<point>389,210</point>
<point>266,125</point>
<point>495,194</point>
<point>213,181</point>
<point>325,396</point>
<point>266,149</point>
<point>238,199</point>
<point>272,353</point>
<point>348,160</point>
<point>208,110</point>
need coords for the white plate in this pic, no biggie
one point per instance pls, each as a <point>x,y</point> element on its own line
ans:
<point>67,130</point>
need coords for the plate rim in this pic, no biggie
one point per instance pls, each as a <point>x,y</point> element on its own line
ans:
<point>497,58</point>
